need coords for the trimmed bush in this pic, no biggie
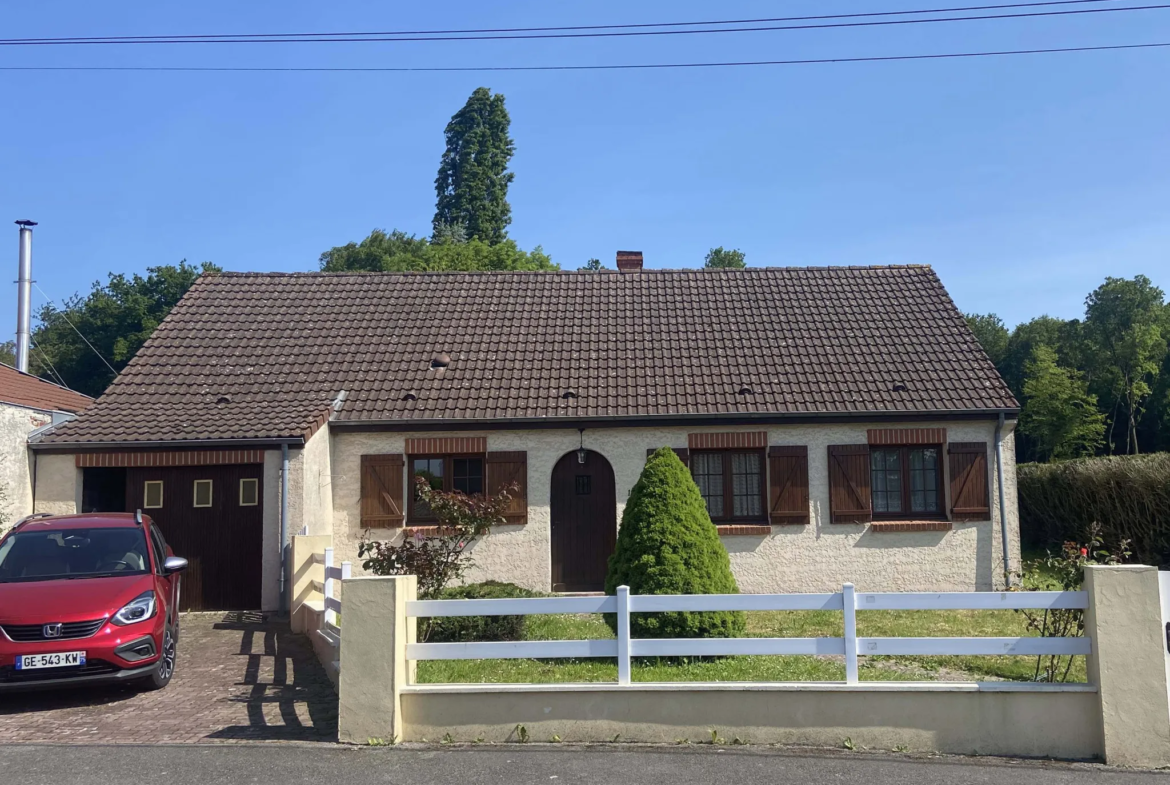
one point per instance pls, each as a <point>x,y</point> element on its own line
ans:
<point>668,545</point>
<point>1128,495</point>
<point>457,629</point>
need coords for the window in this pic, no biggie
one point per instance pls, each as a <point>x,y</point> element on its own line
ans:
<point>731,483</point>
<point>463,473</point>
<point>905,481</point>
<point>152,494</point>
<point>160,548</point>
<point>249,492</point>
<point>203,493</point>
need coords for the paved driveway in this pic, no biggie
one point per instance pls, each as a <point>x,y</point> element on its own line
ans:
<point>240,677</point>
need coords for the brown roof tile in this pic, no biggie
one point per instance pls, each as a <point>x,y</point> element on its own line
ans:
<point>263,355</point>
<point>24,389</point>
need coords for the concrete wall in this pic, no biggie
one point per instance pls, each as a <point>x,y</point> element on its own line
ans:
<point>961,719</point>
<point>16,422</point>
<point>819,556</point>
<point>316,482</point>
<point>270,568</point>
<point>58,484</point>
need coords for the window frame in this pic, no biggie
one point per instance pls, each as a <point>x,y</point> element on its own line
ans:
<point>448,459</point>
<point>210,494</point>
<point>146,505</point>
<point>255,481</point>
<point>729,516</point>
<point>907,513</point>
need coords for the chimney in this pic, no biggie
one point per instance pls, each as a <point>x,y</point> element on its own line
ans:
<point>629,261</point>
<point>24,296</point>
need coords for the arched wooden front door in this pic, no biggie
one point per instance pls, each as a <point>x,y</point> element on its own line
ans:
<point>584,522</point>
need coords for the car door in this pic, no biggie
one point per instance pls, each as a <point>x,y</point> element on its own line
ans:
<point>169,583</point>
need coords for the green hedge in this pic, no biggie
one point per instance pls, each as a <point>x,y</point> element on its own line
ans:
<point>456,629</point>
<point>1128,495</point>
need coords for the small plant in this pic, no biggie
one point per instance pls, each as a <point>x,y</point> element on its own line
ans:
<point>478,740</point>
<point>715,736</point>
<point>440,559</point>
<point>848,744</point>
<point>522,733</point>
<point>738,742</point>
<point>682,741</point>
<point>1067,571</point>
<point>901,748</point>
<point>375,741</point>
<point>615,738</point>
<point>447,738</point>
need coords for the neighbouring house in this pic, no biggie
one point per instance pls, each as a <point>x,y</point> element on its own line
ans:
<point>27,405</point>
<point>842,423</point>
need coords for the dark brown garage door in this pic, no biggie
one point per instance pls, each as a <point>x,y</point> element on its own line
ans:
<point>213,517</point>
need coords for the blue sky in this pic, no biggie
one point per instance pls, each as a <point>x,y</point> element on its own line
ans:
<point>1023,180</point>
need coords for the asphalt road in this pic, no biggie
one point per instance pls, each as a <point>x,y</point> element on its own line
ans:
<point>515,765</point>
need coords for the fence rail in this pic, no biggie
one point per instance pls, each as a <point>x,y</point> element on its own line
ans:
<point>330,631</point>
<point>847,601</point>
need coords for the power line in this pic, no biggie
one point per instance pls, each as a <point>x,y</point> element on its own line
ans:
<point>374,38</point>
<point>613,67</point>
<point>79,335</point>
<point>469,31</point>
<point>52,370</point>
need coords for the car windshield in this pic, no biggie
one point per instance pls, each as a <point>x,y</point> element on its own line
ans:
<point>73,553</point>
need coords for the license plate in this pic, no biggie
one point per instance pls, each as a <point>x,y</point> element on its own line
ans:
<point>64,659</point>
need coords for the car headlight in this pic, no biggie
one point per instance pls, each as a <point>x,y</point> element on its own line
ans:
<point>139,609</point>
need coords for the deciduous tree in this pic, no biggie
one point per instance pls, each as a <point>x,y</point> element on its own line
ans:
<point>992,334</point>
<point>1060,414</point>
<point>724,259</point>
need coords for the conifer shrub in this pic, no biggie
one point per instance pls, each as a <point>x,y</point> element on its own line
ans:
<point>668,545</point>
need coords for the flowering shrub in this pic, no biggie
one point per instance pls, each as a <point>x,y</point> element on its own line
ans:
<point>1065,572</point>
<point>441,558</point>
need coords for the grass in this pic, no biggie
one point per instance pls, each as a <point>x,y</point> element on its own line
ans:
<point>770,624</point>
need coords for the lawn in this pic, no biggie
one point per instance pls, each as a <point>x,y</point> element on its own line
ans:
<point>772,624</point>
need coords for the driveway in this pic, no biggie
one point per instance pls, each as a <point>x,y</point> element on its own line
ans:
<point>240,677</point>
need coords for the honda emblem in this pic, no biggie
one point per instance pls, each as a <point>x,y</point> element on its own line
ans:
<point>52,630</point>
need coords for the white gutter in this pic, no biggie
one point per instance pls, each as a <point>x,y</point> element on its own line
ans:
<point>283,524</point>
<point>1003,528</point>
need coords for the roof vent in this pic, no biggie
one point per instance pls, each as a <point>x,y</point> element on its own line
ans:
<point>745,391</point>
<point>899,387</point>
<point>567,394</point>
<point>441,360</point>
<point>410,397</point>
<point>221,400</point>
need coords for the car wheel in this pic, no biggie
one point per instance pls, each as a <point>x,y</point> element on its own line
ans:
<point>165,669</point>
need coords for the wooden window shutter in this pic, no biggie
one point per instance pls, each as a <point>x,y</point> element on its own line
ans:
<point>849,496</point>
<point>504,469</point>
<point>683,454</point>
<point>382,499</point>
<point>787,485</point>
<point>969,488</point>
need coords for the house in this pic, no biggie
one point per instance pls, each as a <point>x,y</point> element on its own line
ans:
<point>27,404</point>
<point>842,423</point>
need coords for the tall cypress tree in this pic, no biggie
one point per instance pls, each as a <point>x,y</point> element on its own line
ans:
<point>472,186</point>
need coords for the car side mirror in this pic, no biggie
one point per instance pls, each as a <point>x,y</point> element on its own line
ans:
<point>174,564</point>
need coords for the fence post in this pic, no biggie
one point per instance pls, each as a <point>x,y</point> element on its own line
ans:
<point>849,600</point>
<point>346,570</point>
<point>623,634</point>
<point>329,615</point>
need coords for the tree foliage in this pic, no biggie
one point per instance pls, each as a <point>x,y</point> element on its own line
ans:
<point>116,318</point>
<point>591,266</point>
<point>992,334</point>
<point>1061,415</point>
<point>8,353</point>
<point>724,259</point>
<point>668,545</point>
<point>398,252</point>
<point>473,180</point>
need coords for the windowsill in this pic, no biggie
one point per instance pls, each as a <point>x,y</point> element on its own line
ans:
<point>754,529</point>
<point>911,526</point>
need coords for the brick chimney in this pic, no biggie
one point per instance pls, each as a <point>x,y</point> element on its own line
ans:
<point>629,261</point>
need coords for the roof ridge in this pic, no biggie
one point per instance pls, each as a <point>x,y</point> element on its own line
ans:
<point>656,270</point>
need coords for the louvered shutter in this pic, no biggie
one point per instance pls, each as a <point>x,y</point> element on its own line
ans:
<point>969,487</point>
<point>787,485</point>
<point>382,483</point>
<point>683,454</point>
<point>849,496</point>
<point>504,469</point>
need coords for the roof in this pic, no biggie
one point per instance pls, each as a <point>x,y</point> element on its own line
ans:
<point>263,356</point>
<point>24,389</point>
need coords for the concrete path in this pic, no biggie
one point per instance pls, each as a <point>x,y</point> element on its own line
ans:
<point>299,764</point>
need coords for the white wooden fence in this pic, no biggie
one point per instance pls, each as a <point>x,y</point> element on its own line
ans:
<point>330,630</point>
<point>848,601</point>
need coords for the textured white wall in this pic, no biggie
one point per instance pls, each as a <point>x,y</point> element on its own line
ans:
<point>270,568</point>
<point>316,480</point>
<point>819,556</point>
<point>16,422</point>
<point>58,484</point>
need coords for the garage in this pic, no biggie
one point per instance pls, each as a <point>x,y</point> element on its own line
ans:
<point>211,513</point>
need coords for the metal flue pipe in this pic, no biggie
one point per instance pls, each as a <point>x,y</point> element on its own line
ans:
<point>24,296</point>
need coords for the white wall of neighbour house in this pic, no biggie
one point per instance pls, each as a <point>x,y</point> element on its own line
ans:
<point>16,423</point>
<point>270,568</point>
<point>819,556</point>
<point>316,483</point>
<point>58,484</point>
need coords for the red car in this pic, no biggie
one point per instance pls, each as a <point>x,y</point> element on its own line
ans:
<point>87,599</point>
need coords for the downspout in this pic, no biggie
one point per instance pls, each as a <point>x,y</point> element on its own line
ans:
<point>283,523</point>
<point>1003,528</point>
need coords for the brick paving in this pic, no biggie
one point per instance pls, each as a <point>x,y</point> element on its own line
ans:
<point>241,677</point>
